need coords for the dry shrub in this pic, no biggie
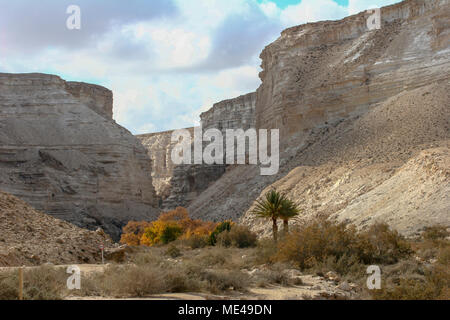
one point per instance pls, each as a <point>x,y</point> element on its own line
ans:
<point>173,251</point>
<point>341,247</point>
<point>196,241</point>
<point>238,236</point>
<point>42,283</point>
<point>9,284</point>
<point>126,281</point>
<point>435,233</point>
<point>381,245</point>
<point>214,256</point>
<point>222,280</point>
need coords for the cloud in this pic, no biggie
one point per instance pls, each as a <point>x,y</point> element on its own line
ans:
<point>35,25</point>
<point>165,60</point>
<point>239,38</point>
<point>312,11</point>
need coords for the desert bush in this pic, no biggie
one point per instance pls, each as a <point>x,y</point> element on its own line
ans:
<point>9,283</point>
<point>340,247</point>
<point>41,283</point>
<point>173,251</point>
<point>435,233</point>
<point>238,236</point>
<point>221,227</point>
<point>128,281</point>
<point>213,257</point>
<point>381,245</point>
<point>196,241</point>
<point>222,280</point>
<point>443,256</point>
<point>315,242</point>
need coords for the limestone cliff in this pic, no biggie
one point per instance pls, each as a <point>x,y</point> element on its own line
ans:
<point>362,114</point>
<point>61,152</point>
<point>179,185</point>
<point>324,72</point>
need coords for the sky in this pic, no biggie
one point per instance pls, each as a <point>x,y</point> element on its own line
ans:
<point>167,61</point>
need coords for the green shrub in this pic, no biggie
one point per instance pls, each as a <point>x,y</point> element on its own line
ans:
<point>224,226</point>
<point>238,236</point>
<point>171,233</point>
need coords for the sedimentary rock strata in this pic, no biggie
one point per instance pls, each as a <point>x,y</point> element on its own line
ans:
<point>179,185</point>
<point>61,152</point>
<point>362,115</point>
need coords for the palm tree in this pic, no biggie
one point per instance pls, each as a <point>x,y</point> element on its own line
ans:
<point>270,207</point>
<point>289,209</point>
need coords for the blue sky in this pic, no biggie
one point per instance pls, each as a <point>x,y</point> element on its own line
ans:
<point>166,60</point>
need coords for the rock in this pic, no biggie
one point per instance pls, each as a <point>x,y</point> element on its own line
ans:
<point>356,111</point>
<point>61,151</point>
<point>345,286</point>
<point>64,243</point>
<point>179,185</point>
<point>293,273</point>
<point>332,276</point>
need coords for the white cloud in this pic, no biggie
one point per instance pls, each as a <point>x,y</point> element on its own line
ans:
<point>164,69</point>
<point>312,11</point>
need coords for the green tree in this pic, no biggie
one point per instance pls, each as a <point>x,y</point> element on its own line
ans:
<point>270,207</point>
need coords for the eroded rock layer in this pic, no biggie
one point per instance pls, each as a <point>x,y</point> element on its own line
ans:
<point>61,152</point>
<point>364,119</point>
<point>179,185</point>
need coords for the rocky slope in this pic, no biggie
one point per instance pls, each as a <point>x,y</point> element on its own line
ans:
<point>62,153</point>
<point>29,237</point>
<point>363,115</point>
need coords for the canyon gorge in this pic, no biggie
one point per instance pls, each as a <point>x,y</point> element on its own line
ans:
<point>364,132</point>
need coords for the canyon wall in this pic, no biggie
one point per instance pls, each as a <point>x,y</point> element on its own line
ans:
<point>181,184</point>
<point>61,152</point>
<point>159,148</point>
<point>237,113</point>
<point>363,118</point>
<point>321,73</point>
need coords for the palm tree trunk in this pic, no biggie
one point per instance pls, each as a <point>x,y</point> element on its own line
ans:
<point>275,229</point>
<point>286,226</point>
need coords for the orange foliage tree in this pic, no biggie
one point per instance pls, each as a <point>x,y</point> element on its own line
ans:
<point>169,227</point>
<point>132,232</point>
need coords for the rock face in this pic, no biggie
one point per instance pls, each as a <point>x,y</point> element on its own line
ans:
<point>159,147</point>
<point>362,115</point>
<point>61,152</point>
<point>237,113</point>
<point>324,72</point>
<point>179,185</point>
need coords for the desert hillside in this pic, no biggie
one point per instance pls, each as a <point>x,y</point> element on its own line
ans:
<point>29,237</point>
<point>363,116</point>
